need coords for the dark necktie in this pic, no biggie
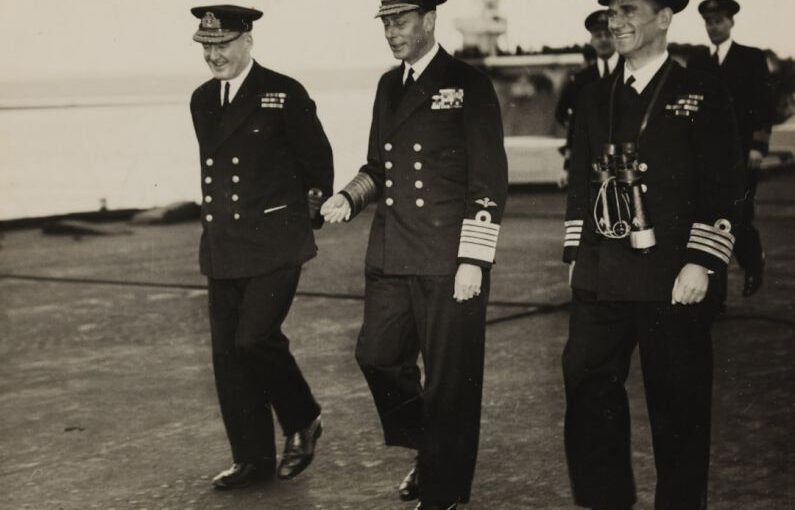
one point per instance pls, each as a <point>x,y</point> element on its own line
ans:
<point>605,68</point>
<point>628,85</point>
<point>409,81</point>
<point>226,95</point>
<point>716,59</point>
<point>405,88</point>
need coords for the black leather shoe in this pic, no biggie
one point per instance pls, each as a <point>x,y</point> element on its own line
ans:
<point>299,450</point>
<point>437,506</point>
<point>754,278</point>
<point>242,475</point>
<point>409,488</point>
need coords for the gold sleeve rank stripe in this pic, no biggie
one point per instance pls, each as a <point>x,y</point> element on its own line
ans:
<point>491,230</point>
<point>697,245</point>
<point>360,191</point>
<point>715,240</point>
<point>478,240</point>
<point>573,233</point>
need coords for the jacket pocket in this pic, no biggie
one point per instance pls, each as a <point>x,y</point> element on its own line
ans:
<point>275,209</point>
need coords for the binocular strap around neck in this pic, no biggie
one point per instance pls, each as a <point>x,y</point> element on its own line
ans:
<point>650,108</point>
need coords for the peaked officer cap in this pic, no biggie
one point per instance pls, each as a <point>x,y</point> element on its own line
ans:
<point>727,7</point>
<point>390,7</point>
<point>597,20</point>
<point>223,23</point>
<point>675,5</point>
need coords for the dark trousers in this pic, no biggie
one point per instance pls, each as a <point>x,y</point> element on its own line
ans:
<point>748,244</point>
<point>676,359</point>
<point>254,370</point>
<point>403,317</point>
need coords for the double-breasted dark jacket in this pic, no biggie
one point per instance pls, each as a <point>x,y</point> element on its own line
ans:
<point>745,73</point>
<point>437,169</point>
<point>694,177</point>
<point>260,158</point>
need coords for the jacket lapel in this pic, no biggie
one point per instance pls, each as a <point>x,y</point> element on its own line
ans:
<point>619,66</point>
<point>395,88</point>
<point>593,74</point>
<point>238,110</point>
<point>208,112</point>
<point>731,56</point>
<point>428,83</point>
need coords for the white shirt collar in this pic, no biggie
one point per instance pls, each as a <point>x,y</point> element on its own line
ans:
<point>611,64</point>
<point>645,74</point>
<point>722,49</point>
<point>236,82</point>
<point>420,65</point>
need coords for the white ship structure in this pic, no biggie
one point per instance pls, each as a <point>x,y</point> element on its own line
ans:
<point>528,87</point>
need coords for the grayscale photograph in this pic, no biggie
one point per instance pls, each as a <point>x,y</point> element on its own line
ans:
<point>397,254</point>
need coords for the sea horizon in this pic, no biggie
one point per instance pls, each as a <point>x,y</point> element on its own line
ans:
<point>62,92</point>
<point>72,145</point>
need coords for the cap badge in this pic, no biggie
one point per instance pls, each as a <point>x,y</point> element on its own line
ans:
<point>210,21</point>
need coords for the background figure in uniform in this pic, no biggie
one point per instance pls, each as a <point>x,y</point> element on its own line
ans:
<point>266,164</point>
<point>660,295</point>
<point>607,60</point>
<point>437,170</point>
<point>744,71</point>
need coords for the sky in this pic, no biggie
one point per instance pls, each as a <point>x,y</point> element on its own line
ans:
<point>78,39</point>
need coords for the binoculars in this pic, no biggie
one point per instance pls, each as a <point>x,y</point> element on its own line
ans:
<point>619,211</point>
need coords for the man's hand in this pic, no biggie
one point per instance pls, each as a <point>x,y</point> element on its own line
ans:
<point>467,282</point>
<point>690,286</point>
<point>563,179</point>
<point>571,271</point>
<point>336,209</point>
<point>755,158</point>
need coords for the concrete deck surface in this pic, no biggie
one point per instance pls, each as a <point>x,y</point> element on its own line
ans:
<point>108,401</point>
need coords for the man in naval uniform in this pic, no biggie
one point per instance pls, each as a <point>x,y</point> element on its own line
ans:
<point>744,71</point>
<point>265,166</point>
<point>437,171</point>
<point>687,144</point>
<point>607,61</point>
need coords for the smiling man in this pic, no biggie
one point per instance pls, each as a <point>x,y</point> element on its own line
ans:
<point>660,295</point>
<point>265,163</point>
<point>437,173</point>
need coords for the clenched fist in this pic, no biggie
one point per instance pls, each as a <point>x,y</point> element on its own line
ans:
<point>468,279</point>
<point>690,287</point>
